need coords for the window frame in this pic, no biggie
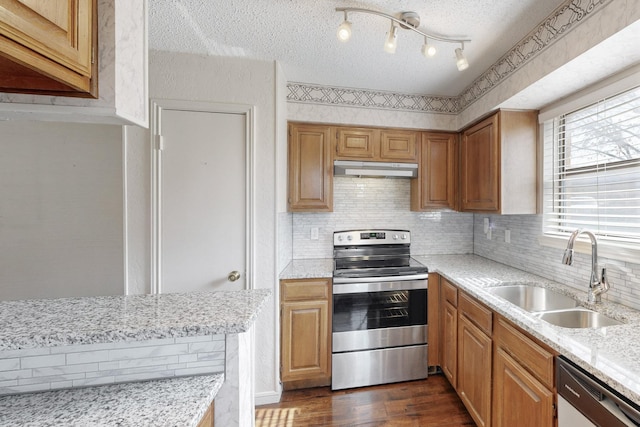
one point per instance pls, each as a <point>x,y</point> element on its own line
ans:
<point>608,247</point>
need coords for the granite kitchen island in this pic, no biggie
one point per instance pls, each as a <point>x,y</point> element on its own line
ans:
<point>60,344</point>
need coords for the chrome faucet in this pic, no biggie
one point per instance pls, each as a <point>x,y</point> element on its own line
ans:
<point>596,286</point>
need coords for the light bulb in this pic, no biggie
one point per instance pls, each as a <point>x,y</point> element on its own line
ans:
<point>461,61</point>
<point>391,42</point>
<point>344,31</point>
<point>428,50</point>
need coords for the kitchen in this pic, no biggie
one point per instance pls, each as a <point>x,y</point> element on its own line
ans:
<point>285,236</point>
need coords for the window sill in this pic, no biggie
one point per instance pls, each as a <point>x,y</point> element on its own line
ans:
<point>606,249</point>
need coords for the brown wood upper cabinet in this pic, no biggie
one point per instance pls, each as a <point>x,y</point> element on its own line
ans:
<point>371,144</point>
<point>310,168</point>
<point>498,164</point>
<point>435,187</point>
<point>47,46</point>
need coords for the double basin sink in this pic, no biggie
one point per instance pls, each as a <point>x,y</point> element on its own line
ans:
<point>552,307</point>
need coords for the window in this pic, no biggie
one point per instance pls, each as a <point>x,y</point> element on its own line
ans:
<point>592,170</point>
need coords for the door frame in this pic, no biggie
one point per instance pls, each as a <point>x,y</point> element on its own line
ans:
<point>157,107</point>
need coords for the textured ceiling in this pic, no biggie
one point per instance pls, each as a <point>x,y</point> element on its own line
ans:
<point>301,35</point>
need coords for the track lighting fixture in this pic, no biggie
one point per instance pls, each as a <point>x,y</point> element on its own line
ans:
<point>407,21</point>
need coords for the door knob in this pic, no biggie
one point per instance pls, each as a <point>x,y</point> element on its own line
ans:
<point>233,276</point>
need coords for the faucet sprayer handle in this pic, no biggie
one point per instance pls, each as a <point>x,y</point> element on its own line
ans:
<point>603,281</point>
<point>567,258</point>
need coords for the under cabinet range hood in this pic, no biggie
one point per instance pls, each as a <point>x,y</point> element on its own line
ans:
<point>375,169</point>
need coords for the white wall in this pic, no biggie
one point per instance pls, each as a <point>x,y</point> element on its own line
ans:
<point>178,76</point>
<point>61,222</point>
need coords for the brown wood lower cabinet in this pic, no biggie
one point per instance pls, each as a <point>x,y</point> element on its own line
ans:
<point>474,369</point>
<point>449,322</point>
<point>503,375</point>
<point>519,398</point>
<point>305,333</point>
<point>207,419</point>
<point>523,378</point>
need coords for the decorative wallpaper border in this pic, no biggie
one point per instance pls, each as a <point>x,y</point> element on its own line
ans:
<point>317,94</point>
<point>564,18</point>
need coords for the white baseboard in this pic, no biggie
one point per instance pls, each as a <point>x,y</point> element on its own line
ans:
<point>267,397</point>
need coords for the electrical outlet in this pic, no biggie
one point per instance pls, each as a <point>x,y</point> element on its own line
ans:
<point>486,225</point>
<point>507,236</point>
<point>314,233</point>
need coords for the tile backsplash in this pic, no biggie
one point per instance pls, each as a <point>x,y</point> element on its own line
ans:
<point>384,203</point>
<point>40,369</point>
<point>381,203</point>
<point>525,253</point>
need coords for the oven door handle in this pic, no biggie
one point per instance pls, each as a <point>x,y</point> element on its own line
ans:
<point>372,286</point>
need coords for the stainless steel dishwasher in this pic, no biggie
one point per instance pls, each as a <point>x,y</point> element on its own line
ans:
<point>585,401</point>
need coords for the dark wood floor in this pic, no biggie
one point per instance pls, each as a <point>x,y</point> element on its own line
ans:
<point>424,403</point>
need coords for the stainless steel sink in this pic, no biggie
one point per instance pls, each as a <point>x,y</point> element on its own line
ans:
<point>552,307</point>
<point>533,298</point>
<point>578,318</point>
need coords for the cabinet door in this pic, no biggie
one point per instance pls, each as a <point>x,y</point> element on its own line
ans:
<point>435,187</point>
<point>310,169</point>
<point>519,399</point>
<point>449,341</point>
<point>474,371</point>
<point>207,419</point>
<point>53,37</point>
<point>356,144</point>
<point>398,145</point>
<point>480,167</point>
<point>305,341</point>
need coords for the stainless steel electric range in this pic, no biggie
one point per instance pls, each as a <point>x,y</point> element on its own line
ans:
<point>379,309</point>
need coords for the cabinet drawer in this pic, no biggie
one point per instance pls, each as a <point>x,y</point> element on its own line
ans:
<point>480,315</point>
<point>304,289</point>
<point>531,355</point>
<point>450,293</point>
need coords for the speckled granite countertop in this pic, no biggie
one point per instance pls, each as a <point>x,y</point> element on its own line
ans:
<point>308,269</point>
<point>64,321</point>
<point>612,354</point>
<point>179,402</point>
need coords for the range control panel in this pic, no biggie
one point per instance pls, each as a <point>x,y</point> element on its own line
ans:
<point>371,237</point>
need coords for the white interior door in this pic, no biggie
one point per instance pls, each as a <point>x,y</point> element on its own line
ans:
<point>201,201</point>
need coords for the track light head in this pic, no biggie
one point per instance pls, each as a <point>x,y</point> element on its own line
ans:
<point>391,42</point>
<point>428,50</point>
<point>461,61</point>
<point>344,30</point>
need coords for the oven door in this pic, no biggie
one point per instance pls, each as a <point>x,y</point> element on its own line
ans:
<point>379,315</point>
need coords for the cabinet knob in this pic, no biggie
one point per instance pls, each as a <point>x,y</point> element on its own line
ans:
<point>233,276</point>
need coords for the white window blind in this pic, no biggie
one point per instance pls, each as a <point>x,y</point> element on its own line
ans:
<point>592,170</point>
